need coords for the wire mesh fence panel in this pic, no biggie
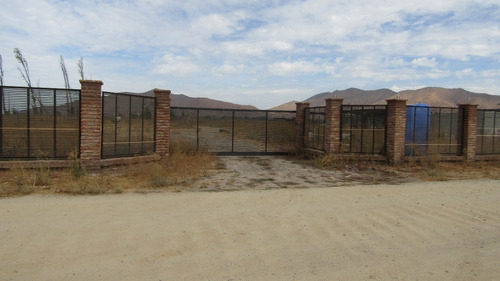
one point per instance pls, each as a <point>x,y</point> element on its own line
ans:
<point>215,130</point>
<point>488,132</point>
<point>314,128</point>
<point>39,123</point>
<point>68,123</point>
<point>127,125</point>
<point>249,131</point>
<point>228,131</point>
<point>433,131</point>
<point>281,132</point>
<point>184,128</point>
<point>363,129</point>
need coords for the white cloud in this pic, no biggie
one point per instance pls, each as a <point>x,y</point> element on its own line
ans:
<point>228,69</point>
<point>293,68</point>
<point>424,62</point>
<point>176,66</point>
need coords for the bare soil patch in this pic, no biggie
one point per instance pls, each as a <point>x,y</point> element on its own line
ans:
<point>271,172</point>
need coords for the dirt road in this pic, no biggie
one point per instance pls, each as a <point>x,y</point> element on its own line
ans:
<point>412,231</point>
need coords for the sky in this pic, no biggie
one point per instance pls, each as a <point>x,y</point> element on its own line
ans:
<point>257,52</point>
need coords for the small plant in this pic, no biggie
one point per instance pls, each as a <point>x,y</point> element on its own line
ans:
<point>24,181</point>
<point>77,169</point>
<point>332,161</point>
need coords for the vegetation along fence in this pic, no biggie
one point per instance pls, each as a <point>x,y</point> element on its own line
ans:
<point>488,132</point>
<point>363,129</point>
<point>314,127</point>
<point>433,131</point>
<point>128,125</point>
<point>232,131</point>
<point>39,123</point>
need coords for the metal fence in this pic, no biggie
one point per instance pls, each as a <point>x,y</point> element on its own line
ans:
<point>432,130</point>
<point>363,129</point>
<point>488,132</point>
<point>39,123</point>
<point>231,131</point>
<point>314,128</point>
<point>128,125</point>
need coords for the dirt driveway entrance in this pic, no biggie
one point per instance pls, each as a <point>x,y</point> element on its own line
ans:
<point>272,172</point>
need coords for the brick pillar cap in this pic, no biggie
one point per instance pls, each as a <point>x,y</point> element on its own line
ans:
<point>91,81</point>
<point>396,99</point>
<point>335,99</point>
<point>162,91</point>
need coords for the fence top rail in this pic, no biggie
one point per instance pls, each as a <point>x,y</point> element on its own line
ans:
<point>230,109</point>
<point>431,107</point>
<point>491,110</point>
<point>39,88</point>
<point>127,94</point>
<point>380,106</point>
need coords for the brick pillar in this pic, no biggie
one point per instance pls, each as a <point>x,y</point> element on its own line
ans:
<point>333,115</point>
<point>90,124</point>
<point>395,133</point>
<point>162,143</point>
<point>299,124</point>
<point>469,131</point>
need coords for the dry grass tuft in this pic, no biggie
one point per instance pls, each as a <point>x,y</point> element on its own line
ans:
<point>184,165</point>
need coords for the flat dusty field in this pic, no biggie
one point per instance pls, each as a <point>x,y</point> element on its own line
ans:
<point>410,231</point>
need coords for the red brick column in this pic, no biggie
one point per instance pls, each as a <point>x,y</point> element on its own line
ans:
<point>300,119</point>
<point>333,115</point>
<point>90,124</point>
<point>162,144</point>
<point>469,131</point>
<point>395,133</point>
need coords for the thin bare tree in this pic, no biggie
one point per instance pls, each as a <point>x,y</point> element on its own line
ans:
<point>80,68</point>
<point>64,72</point>
<point>66,81</point>
<point>25,73</point>
<point>1,84</point>
<point>1,71</point>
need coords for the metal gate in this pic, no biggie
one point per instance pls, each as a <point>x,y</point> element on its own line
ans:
<point>233,131</point>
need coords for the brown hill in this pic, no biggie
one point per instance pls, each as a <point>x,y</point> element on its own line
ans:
<point>353,96</point>
<point>286,106</point>
<point>185,101</point>
<point>432,96</point>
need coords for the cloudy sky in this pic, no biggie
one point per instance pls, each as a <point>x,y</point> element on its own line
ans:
<point>258,52</point>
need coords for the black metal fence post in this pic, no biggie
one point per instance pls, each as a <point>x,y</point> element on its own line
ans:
<point>232,134</point>
<point>28,131</point>
<point>197,129</point>
<point>55,122</point>
<point>265,141</point>
<point>2,106</point>
<point>129,123</point>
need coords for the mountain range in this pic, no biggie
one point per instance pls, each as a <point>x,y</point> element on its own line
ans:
<point>433,96</point>
<point>185,101</point>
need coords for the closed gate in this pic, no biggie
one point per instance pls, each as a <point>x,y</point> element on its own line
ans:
<point>233,131</point>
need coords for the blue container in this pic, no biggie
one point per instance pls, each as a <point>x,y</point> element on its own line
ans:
<point>418,126</point>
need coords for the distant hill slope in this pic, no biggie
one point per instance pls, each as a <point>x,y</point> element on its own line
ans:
<point>432,96</point>
<point>286,106</point>
<point>185,101</point>
<point>353,96</point>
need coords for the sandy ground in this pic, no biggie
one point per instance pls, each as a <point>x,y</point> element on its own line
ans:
<point>410,231</point>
